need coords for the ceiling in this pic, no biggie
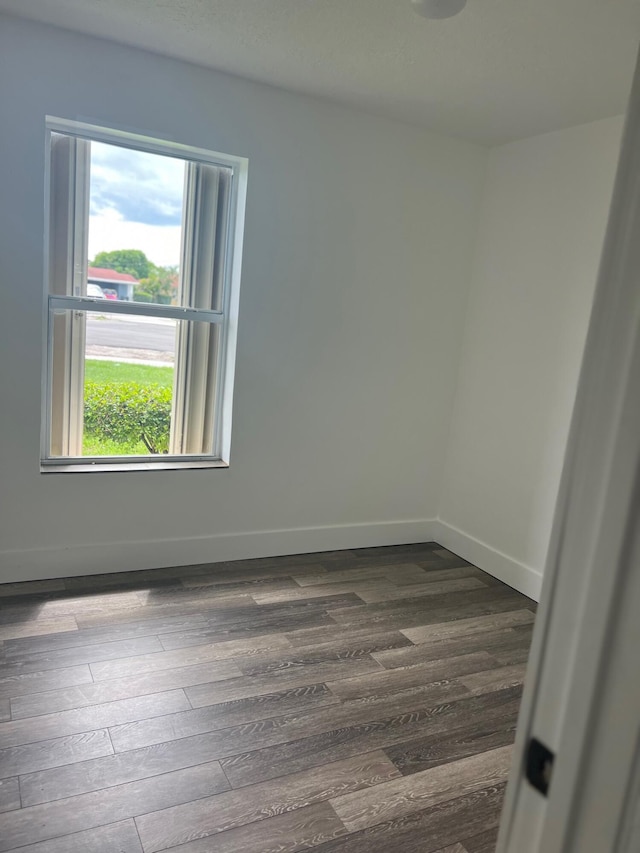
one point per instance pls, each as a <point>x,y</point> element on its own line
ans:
<point>501,70</point>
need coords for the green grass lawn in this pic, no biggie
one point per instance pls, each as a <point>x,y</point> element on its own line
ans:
<point>108,372</point>
<point>111,373</point>
<point>94,445</point>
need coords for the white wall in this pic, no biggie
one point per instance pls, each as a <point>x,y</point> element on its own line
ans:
<point>541,230</point>
<point>358,246</point>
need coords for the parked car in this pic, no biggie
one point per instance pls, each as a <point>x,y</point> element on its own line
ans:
<point>109,293</point>
<point>95,291</point>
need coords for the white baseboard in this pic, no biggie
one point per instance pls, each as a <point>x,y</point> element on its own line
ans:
<point>525,579</point>
<point>106,557</point>
<point>73,560</point>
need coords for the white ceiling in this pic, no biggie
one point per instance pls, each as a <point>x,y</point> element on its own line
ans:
<point>501,70</point>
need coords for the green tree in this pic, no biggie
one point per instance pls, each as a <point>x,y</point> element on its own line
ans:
<point>132,261</point>
<point>161,282</point>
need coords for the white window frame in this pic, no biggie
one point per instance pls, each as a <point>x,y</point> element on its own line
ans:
<point>225,319</point>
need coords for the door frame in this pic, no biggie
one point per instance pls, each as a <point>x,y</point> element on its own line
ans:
<point>591,590</point>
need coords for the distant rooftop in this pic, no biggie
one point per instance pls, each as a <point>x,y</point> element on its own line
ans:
<point>101,274</point>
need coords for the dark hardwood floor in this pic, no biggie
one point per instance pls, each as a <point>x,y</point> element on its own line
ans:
<point>350,702</point>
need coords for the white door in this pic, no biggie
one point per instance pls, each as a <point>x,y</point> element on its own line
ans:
<point>582,696</point>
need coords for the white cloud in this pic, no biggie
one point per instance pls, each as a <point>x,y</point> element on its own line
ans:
<point>136,203</point>
<point>109,231</point>
<point>143,187</point>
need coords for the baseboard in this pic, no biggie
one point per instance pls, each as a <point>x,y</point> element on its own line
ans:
<point>106,557</point>
<point>521,577</point>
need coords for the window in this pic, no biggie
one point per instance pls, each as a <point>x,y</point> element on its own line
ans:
<point>144,246</point>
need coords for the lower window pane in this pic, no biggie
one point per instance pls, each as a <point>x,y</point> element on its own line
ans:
<point>126,385</point>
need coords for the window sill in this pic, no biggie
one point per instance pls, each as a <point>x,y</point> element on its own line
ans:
<point>119,467</point>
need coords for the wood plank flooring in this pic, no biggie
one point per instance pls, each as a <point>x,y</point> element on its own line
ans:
<point>344,702</point>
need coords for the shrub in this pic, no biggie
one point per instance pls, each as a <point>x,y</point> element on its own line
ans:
<point>129,412</point>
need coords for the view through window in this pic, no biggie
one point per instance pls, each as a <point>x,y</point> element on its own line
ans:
<point>134,244</point>
<point>142,287</point>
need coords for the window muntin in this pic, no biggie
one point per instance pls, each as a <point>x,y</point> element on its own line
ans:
<point>197,324</point>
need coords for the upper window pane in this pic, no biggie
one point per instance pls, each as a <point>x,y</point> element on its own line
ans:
<point>136,202</point>
<point>146,227</point>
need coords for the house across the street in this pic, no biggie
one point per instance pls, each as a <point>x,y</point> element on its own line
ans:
<point>121,282</point>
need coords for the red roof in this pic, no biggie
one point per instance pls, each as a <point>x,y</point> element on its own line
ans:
<point>110,275</point>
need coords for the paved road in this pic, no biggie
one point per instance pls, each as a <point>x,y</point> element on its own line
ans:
<point>132,334</point>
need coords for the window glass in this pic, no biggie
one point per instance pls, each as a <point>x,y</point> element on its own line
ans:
<point>141,278</point>
<point>135,225</point>
<point>127,397</point>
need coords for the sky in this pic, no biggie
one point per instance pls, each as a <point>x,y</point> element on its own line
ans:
<point>136,203</point>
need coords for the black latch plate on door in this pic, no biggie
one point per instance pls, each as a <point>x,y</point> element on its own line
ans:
<point>539,766</point>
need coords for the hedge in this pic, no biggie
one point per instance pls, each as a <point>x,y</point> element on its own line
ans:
<point>129,412</point>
